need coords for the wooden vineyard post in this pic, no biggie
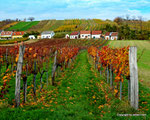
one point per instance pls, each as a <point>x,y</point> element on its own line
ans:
<point>25,83</point>
<point>69,63</point>
<point>41,79</point>
<point>107,74</point>
<point>12,67</point>
<point>18,74</point>
<point>134,87</point>
<point>111,77</point>
<point>24,88</point>
<point>34,80</point>
<point>7,64</point>
<point>47,74</point>
<point>101,69</point>
<point>120,90</point>
<point>96,62</point>
<point>54,68</point>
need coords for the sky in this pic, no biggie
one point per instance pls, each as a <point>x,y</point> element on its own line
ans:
<point>73,9</point>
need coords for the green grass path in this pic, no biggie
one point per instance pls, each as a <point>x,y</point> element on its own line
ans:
<point>74,94</point>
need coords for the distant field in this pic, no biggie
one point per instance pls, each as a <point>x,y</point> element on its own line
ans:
<point>57,24</point>
<point>6,24</point>
<point>9,25</point>
<point>144,59</point>
<point>43,25</point>
<point>23,26</point>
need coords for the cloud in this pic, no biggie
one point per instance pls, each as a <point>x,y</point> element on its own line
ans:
<point>65,9</point>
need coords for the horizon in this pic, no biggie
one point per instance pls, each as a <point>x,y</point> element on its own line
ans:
<point>74,9</point>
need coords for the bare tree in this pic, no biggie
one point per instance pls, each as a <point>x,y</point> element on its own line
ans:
<point>134,22</point>
<point>140,18</point>
<point>31,18</point>
<point>133,18</point>
<point>24,19</point>
<point>127,17</point>
<point>118,20</point>
<point>17,19</point>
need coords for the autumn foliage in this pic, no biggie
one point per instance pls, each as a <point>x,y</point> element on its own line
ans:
<point>115,58</point>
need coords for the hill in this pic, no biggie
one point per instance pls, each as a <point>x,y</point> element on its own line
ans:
<point>67,25</point>
<point>23,26</point>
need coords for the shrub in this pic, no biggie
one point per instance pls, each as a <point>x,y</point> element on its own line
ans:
<point>59,35</point>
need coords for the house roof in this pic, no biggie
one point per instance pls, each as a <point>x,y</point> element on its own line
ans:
<point>6,33</point>
<point>96,32</point>
<point>47,32</point>
<point>74,33</point>
<point>18,33</point>
<point>107,34</point>
<point>85,32</point>
<point>114,34</point>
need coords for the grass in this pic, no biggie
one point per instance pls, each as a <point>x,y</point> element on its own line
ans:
<point>23,26</point>
<point>80,94</point>
<point>143,57</point>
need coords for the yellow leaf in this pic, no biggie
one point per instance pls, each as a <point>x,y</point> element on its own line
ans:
<point>50,101</point>
<point>4,77</point>
<point>116,91</point>
<point>101,106</point>
<point>93,97</point>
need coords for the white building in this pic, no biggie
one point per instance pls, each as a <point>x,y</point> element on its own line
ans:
<point>47,34</point>
<point>6,35</point>
<point>74,35</point>
<point>85,34</point>
<point>111,36</point>
<point>96,34</point>
<point>32,37</point>
<point>67,36</point>
<point>114,36</point>
<point>107,36</point>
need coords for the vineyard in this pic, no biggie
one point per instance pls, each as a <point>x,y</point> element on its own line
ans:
<point>67,79</point>
<point>67,25</point>
<point>23,26</point>
<point>6,24</point>
<point>44,25</point>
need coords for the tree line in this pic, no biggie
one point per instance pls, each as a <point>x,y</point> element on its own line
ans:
<point>131,28</point>
<point>17,19</point>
